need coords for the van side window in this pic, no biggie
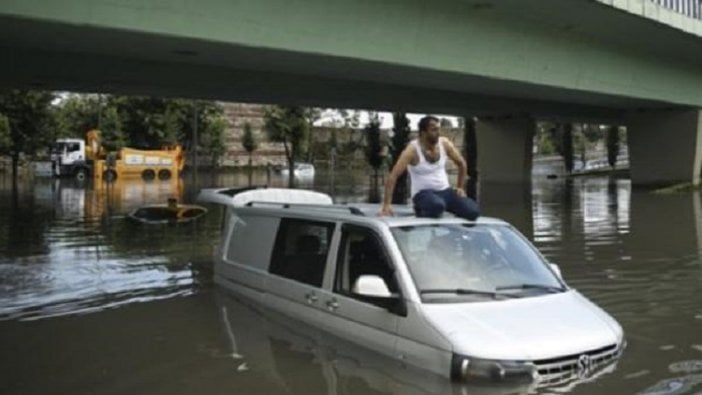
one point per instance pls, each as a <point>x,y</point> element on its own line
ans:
<point>301,249</point>
<point>361,252</point>
<point>251,240</point>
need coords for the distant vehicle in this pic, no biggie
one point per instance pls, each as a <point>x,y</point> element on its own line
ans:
<point>301,170</point>
<point>467,300</point>
<point>169,213</point>
<point>82,159</point>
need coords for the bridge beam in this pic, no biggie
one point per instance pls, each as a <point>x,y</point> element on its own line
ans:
<point>505,149</point>
<point>665,147</point>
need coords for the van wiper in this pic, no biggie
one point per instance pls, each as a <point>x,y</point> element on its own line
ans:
<point>465,291</point>
<point>547,288</point>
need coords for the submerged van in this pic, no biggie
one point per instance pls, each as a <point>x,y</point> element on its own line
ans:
<point>467,300</point>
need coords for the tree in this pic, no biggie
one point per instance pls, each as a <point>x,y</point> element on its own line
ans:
<point>289,125</point>
<point>374,154</point>
<point>470,144</point>
<point>566,146</point>
<point>213,133</point>
<point>144,122</point>
<point>249,144</point>
<point>113,135</point>
<point>612,145</point>
<point>398,142</point>
<point>31,123</point>
<point>5,138</point>
<point>76,114</point>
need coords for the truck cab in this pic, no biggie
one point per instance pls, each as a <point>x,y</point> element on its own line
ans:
<point>68,158</point>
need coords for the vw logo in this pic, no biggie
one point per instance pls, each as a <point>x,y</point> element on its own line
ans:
<point>584,365</point>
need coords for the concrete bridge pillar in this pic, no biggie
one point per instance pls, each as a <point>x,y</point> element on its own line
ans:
<point>665,147</point>
<point>505,149</point>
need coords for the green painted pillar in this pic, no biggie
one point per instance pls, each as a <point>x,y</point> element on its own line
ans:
<point>665,147</point>
<point>505,149</point>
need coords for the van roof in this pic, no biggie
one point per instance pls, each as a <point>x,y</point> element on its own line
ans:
<point>279,201</point>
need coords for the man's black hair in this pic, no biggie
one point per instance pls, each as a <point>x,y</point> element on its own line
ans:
<point>424,122</point>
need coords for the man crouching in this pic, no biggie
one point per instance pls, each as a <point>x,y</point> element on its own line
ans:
<point>425,159</point>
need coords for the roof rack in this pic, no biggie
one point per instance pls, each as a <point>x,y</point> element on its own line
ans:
<point>338,207</point>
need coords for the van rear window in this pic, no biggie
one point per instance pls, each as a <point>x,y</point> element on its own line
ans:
<point>251,240</point>
<point>301,249</point>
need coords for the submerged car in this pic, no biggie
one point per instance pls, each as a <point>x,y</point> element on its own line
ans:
<point>467,300</point>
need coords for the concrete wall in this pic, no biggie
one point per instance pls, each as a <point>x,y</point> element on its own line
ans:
<point>505,149</point>
<point>665,147</point>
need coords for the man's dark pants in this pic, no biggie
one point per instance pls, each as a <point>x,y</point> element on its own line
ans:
<point>430,203</point>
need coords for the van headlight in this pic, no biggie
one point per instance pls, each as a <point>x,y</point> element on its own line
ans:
<point>466,368</point>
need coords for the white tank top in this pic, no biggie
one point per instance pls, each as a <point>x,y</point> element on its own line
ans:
<point>426,175</point>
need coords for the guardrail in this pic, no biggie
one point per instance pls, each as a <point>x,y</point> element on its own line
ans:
<point>691,8</point>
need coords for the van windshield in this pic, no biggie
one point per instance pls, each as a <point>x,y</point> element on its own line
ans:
<point>459,262</point>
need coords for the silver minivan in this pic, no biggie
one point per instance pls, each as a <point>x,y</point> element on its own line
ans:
<point>468,300</point>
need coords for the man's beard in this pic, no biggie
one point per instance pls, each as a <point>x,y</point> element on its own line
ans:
<point>432,139</point>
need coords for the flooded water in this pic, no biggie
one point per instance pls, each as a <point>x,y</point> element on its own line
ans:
<point>91,303</point>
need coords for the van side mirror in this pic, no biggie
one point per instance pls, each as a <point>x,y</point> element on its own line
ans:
<point>556,270</point>
<point>373,288</point>
<point>371,285</point>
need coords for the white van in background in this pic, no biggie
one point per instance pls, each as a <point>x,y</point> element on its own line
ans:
<point>467,300</point>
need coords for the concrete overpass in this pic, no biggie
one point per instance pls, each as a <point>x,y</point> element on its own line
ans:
<point>509,62</point>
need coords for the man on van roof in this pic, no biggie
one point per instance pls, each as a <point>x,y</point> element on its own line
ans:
<point>425,158</point>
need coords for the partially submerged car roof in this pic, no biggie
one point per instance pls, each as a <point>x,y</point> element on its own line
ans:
<point>300,201</point>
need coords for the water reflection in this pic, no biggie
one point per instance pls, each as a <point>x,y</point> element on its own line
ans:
<point>66,248</point>
<point>82,256</point>
<point>637,255</point>
<point>299,359</point>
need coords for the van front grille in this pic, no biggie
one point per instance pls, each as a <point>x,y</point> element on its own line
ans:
<point>580,364</point>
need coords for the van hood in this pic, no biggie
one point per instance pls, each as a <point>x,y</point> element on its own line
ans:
<point>530,328</point>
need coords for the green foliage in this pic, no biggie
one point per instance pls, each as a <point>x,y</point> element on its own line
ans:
<point>470,144</point>
<point>5,138</point>
<point>290,125</point>
<point>30,121</point>
<point>400,138</point>
<point>545,140</point>
<point>213,135</point>
<point>248,140</point>
<point>374,147</point>
<point>592,133</point>
<point>142,122</point>
<point>566,147</point>
<point>612,145</point>
<point>76,114</point>
<point>112,132</point>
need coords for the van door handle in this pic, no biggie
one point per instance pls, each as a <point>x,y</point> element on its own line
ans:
<point>311,298</point>
<point>332,304</point>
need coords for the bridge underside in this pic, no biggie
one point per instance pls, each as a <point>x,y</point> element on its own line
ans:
<point>258,75</point>
<point>575,60</point>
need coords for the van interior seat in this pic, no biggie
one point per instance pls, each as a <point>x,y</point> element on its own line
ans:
<point>307,244</point>
<point>308,262</point>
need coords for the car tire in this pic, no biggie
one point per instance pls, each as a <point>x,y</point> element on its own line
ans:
<point>80,173</point>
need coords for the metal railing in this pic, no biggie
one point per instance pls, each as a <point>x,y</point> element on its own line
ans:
<point>691,8</point>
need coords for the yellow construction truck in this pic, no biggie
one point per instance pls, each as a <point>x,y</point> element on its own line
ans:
<point>87,158</point>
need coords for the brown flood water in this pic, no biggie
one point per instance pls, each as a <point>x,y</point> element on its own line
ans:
<point>91,303</point>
